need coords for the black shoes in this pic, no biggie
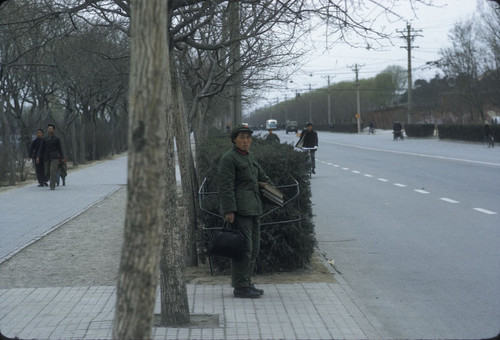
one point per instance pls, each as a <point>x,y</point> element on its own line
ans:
<point>257,290</point>
<point>245,293</point>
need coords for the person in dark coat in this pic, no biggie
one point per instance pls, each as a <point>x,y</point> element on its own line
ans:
<point>309,139</point>
<point>50,153</point>
<point>272,137</point>
<point>238,180</point>
<point>33,153</point>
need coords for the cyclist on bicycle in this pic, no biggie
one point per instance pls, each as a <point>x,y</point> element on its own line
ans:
<point>309,139</point>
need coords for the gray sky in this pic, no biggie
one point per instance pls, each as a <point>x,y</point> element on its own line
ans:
<point>336,61</point>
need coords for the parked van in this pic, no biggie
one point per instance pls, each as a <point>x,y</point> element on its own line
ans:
<point>271,124</point>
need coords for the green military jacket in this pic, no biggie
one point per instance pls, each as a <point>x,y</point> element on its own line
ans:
<point>238,183</point>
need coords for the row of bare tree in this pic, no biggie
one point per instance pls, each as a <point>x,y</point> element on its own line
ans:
<point>154,71</point>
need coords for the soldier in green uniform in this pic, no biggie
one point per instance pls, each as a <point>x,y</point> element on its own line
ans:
<point>238,180</point>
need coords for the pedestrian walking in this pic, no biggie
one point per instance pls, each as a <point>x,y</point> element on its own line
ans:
<point>33,153</point>
<point>238,180</point>
<point>50,153</point>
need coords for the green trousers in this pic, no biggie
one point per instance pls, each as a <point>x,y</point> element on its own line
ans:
<point>242,269</point>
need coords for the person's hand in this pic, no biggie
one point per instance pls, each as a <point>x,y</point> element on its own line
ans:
<point>37,160</point>
<point>230,217</point>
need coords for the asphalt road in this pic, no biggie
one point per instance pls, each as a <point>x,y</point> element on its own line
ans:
<point>414,228</point>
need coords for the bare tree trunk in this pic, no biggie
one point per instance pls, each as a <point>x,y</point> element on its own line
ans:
<point>81,155</point>
<point>145,216</point>
<point>74,143</point>
<point>183,143</point>
<point>174,299</point>
<point>7,144</point>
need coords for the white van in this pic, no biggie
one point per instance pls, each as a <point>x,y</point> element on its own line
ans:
<point>271,124</point>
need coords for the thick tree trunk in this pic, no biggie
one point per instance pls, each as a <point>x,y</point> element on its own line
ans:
<point>145,216</point>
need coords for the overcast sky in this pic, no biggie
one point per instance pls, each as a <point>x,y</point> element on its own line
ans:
<point>434,22</point>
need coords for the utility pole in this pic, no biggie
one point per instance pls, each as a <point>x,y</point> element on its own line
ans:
<point>358,104</point>
<point>310,104</point>
<point>409,35</point>
<point>330,121</point>
<point>235,89</point>
<point>286,109</point>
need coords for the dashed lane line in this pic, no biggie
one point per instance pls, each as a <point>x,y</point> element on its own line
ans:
<point>421,191</point>
<point>484,211</point>
<point>449,200</point>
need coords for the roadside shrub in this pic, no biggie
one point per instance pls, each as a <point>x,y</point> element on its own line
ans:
<point>284,246</point>
<point>466,132</point>
<point>419,130</point>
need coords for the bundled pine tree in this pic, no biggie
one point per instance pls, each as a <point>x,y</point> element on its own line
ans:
<point>287,234</point>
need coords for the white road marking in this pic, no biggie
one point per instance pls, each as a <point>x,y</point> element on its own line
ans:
<point>484,211</point>
<point>415,154</point>
<point>449,200</point>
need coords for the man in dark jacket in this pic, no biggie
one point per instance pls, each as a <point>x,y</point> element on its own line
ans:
<point>272,137</point>
<point>309,139</point>
<point>33,153</point>
<point>238,180</point>
<point>50,153</point>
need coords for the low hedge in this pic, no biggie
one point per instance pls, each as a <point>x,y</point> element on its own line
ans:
<point>467,132</point>
<point>284,246</point>
<point>419,130</point>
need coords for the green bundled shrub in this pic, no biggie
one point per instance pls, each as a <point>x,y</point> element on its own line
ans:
<point>284,246</point>
<point>419,130</point>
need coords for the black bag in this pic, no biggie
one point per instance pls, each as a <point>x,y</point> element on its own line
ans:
<point>226,242</point>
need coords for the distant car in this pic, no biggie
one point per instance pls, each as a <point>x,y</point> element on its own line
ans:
<point>291,126</point>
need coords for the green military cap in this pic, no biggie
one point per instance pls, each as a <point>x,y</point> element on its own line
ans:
<point>240,128</point>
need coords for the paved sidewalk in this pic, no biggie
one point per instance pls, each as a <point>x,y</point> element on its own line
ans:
<point>29,212</point>
<point>286,311</point>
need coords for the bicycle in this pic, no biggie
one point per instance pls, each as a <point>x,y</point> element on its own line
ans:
<point>399,134</point>
<point>489,141</point>
<point>309,159</point>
